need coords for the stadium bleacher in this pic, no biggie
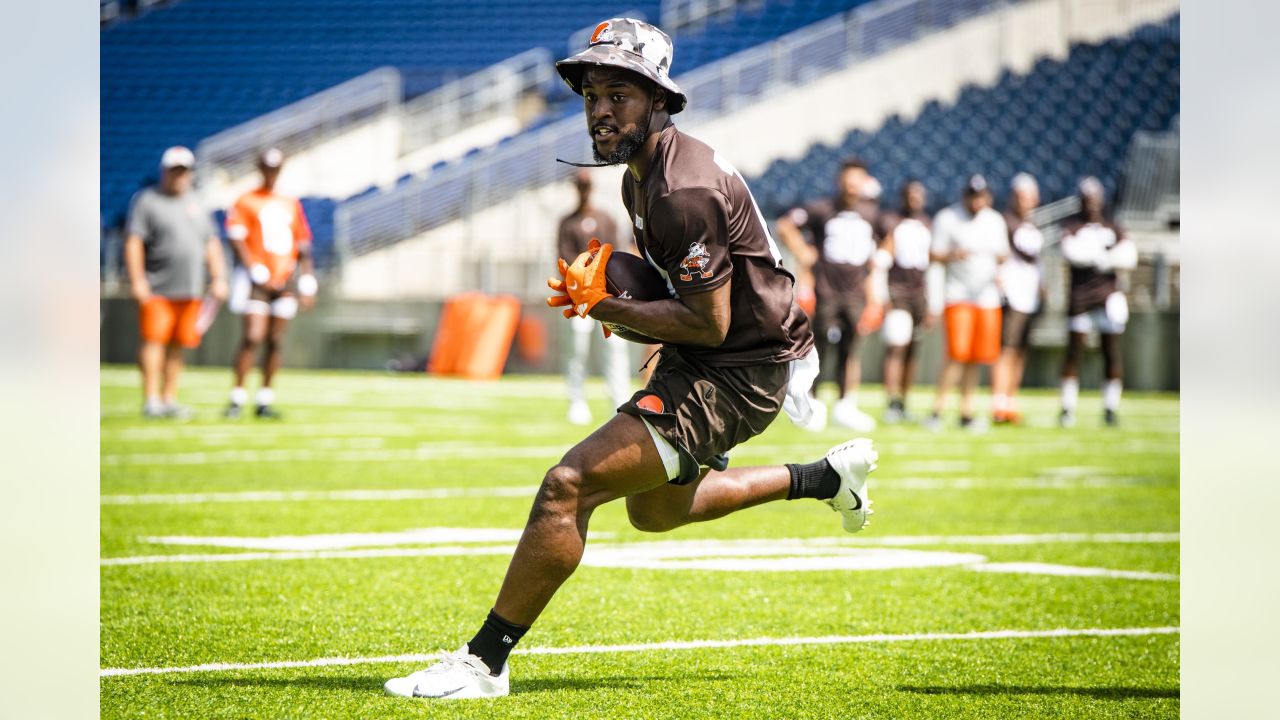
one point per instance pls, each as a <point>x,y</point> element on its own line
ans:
<point>182,72</point>
<point>1063,120</point>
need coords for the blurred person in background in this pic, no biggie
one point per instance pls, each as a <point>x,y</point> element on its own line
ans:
<point>835,239</point>
<point>576,230</point>
<point>1095,248</point>
<point>272,243</point>
<point>170,243</point>
<point>908,234</point>
<point>970,240</point>
<point>1020,283</point>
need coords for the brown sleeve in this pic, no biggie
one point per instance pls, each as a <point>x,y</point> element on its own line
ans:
<point>691,232</point>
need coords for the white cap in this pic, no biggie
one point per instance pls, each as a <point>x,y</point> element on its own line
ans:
<point>271,157</point>
<point>1024,181</point>
<point>1092,186</point>
<point>177,156</point>
<point>872,189</point>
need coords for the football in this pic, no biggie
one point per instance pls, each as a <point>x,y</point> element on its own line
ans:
<point>630,276</point>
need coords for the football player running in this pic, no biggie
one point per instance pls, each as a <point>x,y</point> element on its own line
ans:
<point>736,351</point>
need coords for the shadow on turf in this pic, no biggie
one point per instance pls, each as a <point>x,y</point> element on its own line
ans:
<point>1101,693</point>
<point>374,682</point>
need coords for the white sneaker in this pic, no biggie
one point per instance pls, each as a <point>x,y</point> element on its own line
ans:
<point>853,460</point>
<point>457,676</point>
<point>579,412</point>
<point>846,413</point>
<point>818,422</point>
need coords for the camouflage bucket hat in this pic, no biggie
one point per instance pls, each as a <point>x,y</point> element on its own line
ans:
<point>631,45</point>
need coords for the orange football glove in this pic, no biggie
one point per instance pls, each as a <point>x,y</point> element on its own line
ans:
<point>871,319</point>
<point>584,280</point>
<point>561,298</point>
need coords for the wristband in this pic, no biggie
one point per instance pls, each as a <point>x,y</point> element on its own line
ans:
<point>259,274</point>
<point>307,285</point>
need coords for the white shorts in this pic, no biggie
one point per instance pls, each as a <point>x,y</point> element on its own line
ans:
<point>1108,320</point>
<point>240,299</point>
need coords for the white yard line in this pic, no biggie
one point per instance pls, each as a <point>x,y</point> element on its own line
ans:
<point>454,550</point>
<point>661,646</point>
<point>1033,568</point>
<point>525,491</point>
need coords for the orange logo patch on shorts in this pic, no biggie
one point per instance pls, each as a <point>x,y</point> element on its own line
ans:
<point>650,403</point>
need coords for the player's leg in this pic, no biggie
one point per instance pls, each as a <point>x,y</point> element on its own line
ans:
<point>846,411</point>
<point>282,313</point>
<point>616,460</point>
<point>1071,370</point>
<point>174,359</point>
<point>580,330</point>
<point>985,350</point>
<point>1114,384</point>
<point>968,391</point>
<point>718,493</point>
<point>254,323</point>
<point>1001,373</point>
<point>617,369</point>
<point>155,320</point>
<point>899,329</point>
<point>958,319</point>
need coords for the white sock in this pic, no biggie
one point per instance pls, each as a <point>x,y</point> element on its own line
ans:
<point>850,398</point>
<point>266,396</point>
<point>1000,403</point>
<point>153,403</point>
<point>1070,391</point>
<point>1111,394</point>
<point>239,396</point>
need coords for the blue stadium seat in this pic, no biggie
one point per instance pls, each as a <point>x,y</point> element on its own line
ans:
<point>1063,120</point>
<point>185,71</point>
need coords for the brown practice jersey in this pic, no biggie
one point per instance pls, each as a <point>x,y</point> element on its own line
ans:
<point>845,239</point>
<point>578,227</point>
<point>912,237</point>
<point>1090,287</point>
<point>696,222</point>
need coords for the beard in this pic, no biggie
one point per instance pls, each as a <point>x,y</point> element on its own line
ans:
<point>627,146</point>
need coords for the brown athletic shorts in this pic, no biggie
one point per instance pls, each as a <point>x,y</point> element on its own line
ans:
<point>1016,329</point>
<point>911,300</point>
<point>704,411</point>
<point>838,313</point>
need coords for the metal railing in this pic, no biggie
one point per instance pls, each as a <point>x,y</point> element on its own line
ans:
<point>299,125</point>
<point>1150,191</point>
<point>679,14</point>
<point>372,222</point>
<point>457,105</point>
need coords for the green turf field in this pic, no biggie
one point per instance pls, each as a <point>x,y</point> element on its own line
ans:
<point>308,560</point>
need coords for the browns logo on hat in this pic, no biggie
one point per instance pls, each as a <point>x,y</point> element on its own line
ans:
<point>631,45</point>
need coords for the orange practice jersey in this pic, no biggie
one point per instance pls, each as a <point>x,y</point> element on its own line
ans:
<point>273,228</point>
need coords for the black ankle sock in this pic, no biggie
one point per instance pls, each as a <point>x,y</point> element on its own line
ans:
<point>815,480</point>
<point>495,641</point>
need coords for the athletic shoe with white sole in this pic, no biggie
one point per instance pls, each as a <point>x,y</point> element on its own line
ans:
<point>853,461</point>
<point>456,676</point>
<point>845,412</point>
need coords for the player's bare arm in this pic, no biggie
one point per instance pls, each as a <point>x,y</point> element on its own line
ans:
<point>700,319</point>
<point>217,267</point>
<point>135,266</point>
<point>804,253</point>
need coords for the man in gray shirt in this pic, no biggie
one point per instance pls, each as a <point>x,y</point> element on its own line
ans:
<point>169,242</point>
